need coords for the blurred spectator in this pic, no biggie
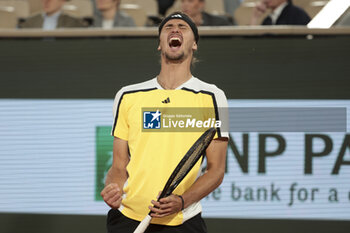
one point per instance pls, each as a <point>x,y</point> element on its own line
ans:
<point>283,13</point>
<point>52,17</point>
<point>109,15</point>
<point>195,9</point>
<point>231,6</point>
<point>164,5</point>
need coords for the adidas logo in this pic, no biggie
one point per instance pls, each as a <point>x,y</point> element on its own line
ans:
<point>166,101</point>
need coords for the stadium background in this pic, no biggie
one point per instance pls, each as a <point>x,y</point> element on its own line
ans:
<point>267,65</point>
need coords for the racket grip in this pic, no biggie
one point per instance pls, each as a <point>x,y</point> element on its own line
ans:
<point>143,225</point>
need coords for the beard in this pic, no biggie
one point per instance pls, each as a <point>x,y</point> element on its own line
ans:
<point>174,58</point>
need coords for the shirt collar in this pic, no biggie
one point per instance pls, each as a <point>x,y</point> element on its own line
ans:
<point>53,16</point>
<point>178,88</point>
<point>277,12</point>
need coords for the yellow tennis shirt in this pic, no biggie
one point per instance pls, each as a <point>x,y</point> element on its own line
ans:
<point>155,148</point>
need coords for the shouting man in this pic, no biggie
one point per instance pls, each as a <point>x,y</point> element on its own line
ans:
<point>143,161</point>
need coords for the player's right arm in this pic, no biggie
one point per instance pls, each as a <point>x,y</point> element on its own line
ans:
<point>117,174</point>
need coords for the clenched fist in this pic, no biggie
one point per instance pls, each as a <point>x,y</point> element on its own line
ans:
<point>112,195</point>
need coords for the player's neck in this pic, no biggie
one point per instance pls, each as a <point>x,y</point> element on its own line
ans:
<point>172,76</point>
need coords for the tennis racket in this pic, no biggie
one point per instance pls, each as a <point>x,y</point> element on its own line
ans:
<point>181,170</point>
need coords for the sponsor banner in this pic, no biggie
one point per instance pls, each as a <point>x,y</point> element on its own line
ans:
<point>55,154</point>
<point>287,119</point>
<point>104,157</point>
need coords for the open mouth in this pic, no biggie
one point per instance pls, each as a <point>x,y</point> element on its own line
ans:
<point>175,42</point>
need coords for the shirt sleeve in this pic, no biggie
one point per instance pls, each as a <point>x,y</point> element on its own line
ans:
<point>120,124</point>
<point>222,114</point>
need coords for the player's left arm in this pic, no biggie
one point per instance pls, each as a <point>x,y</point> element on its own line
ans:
<point>208,182</point>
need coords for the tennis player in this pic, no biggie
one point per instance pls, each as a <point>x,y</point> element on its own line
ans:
<point>143,161</point>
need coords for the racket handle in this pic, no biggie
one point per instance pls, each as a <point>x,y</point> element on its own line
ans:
<point>143,224</point>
